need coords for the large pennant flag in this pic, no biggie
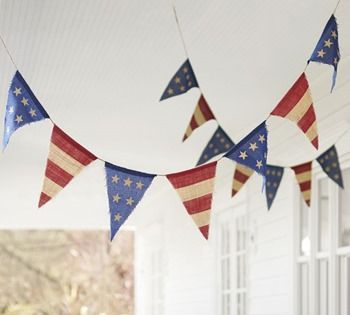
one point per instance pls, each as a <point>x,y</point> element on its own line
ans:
<point>303,173</point>
<point>125,190</point>
<point>327,48</point>
<point>240,177</point>
<point>219,143</point>
<point>22,107</point>
<point>330,164</point>
<point>252,150</point>
<point>66,159</point>
<point>195,188</point>
<point>297,106</point>
<point>273,179</point>
<point>182,81</point>
<point>201,115</point>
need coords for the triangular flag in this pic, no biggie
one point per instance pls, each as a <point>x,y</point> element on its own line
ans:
<point>330,164</point>
<point>252,150</point>
<point>274,176</point>
<point>201,115</point>
<point>66,159</point>
<point>125,190</point>
<point>240,177</point>
<point>195,188</point>
<point>219,143</point>
<point>303,174</point>
<point>327,48</point>
<point>22,107</point>
<point>297,106</point>
<point>182,81</point>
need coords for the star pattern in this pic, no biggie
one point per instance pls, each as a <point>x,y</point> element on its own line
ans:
<point>273,179</point>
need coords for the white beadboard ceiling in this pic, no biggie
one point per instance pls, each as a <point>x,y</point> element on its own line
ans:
<point>99,68</point>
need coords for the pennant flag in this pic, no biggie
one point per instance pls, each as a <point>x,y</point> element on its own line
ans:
<point>327,48</point>
<point>330,164</point>
<point>125,190</point>
<point>201,115</point>
<point>183,80</point>
<point>195,188</point>
<point>303,175</point>
<point>252,150</point>
<point>22,107</point>
<point>219,143</point>
<point>297,106</point>
<point>66,159</point>
<point>273,179</point>
<point>240,177</point>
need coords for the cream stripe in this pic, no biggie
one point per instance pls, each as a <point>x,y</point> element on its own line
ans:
<point>64,161</point>
<point>201,218</point>
<point>196,190</point>
<point>301,107</point>
<point>304,177</point>
<point>236,185</point>
<point>198,116</point>
<point>188,131</point>
<point>306,194</point>
<point>311,133</point>
<point>50,188</point>
<point>244,170</point>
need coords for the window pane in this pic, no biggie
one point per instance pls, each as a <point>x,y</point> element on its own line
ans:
<point>323,292</point>
<point>323,211</point>
<point>304,289</point>
<point>304,228</point>
<point>344,215</point>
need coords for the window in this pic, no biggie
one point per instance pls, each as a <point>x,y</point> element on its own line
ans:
<point>157,282</point>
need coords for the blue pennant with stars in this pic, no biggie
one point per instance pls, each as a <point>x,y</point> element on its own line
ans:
<point>183,80</point>
<point>330,164</point>
<point>327,48</point>
<point>252,150</point>
<point>219,143</point>
<point>274,176</point>
<point>22,107</point>
<point>125,190</point>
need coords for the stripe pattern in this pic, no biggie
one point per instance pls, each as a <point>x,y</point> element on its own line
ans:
<point>303,174</point>
<point>195,188</point>
<point>201,115</point>
<point>241,175</point>
<point>297,106</point>
<point>66,159</point>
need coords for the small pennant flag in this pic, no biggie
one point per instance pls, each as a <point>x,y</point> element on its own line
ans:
<point>195,188</point>
<point>252,150</point>
<point>298,107</point>
<point>183,80</point>
<point>330,164</point>
<point>22,107</point>
<point>273,179</point>
<point>219,143</point>
<point>327,48</point>
<point>240,177</point>
<point>201,115</point>
<point>66,159</point>
<point>303,173</point>
<point>125,190</point>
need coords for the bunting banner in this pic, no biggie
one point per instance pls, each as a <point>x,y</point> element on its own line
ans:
<point>219,143</point>
<point>22,107</point>
<point>330,164</point>
<point>303,174</point>
<point>274,176</point>
<point>201,115</point>
<point>125,190</point>
<point>240,177</point>
<point>252,150</point>
<point>298,107</point>
<point>327,48</point>
<point>195,188</point>
<point>182,81</point>
<point>66,159</point>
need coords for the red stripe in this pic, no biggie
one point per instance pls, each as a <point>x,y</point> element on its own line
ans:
<point>192,176</point>
<point>205,230</point>
<point>302,168</point>
<point>57,174</point>
<point>72,148</point>
<point>193,123</point>
<point>43,199</point>
<point>242,178</point>
<point>308,202</point>
<point>308,119</point>
<point>197,205</point>
<point>205,109</point>
<point>292,97</point>
<point>234,192</point>
<point>305,186</point>
<point>315,142</point>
